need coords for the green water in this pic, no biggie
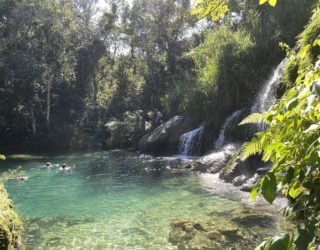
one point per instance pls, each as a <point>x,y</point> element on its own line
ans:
<point>114,200</point>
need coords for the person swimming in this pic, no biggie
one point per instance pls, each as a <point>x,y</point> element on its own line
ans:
<point>64,167</point>
<point>21,178</point>
<point>48,165</point>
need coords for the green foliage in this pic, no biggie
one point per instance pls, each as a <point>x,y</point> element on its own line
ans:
<point>250,148</point>
<point>255,118</point>
<point>213,8</point>
<point>220,47</point>
<point>271,2</point>
<point>291,142</point>
<point>10,223</point>
<point>283,242</point>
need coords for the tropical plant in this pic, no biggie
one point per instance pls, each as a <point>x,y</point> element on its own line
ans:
<point>291,143</point>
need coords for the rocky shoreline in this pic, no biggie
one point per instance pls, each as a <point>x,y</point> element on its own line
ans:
<point>226,163</point>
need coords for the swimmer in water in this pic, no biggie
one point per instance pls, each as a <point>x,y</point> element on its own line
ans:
<point>64,167</point>
<point>48,165</point>
<point>21,178</point>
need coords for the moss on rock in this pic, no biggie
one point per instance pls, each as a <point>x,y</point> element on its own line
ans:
<point>10,223</point>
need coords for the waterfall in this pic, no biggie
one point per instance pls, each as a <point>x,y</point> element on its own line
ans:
<point>190,142</point>
<point>228,122</point>
<point>267,95</point>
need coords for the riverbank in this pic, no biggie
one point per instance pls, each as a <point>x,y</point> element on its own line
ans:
<point>10,223</point>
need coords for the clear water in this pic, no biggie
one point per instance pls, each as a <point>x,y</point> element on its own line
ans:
<point>113,200</point>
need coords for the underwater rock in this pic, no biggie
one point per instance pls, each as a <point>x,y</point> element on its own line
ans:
<point>250,218</point>
<point>242,229</point>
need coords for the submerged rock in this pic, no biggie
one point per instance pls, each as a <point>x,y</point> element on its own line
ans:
<point>165,138</point>
<point>244,230</point>
<point>250,218</point>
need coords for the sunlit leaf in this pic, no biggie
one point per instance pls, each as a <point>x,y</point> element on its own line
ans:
<point>255,118</point>
<point>312,128</point>
<point>269,187</point>
<point>254,193</point>
<point>295,189</point>
<point>273,2</point>
<point>280,242</point>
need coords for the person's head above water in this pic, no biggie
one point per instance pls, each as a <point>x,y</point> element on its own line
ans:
<point>21,178</point>
<point>64,165</point>
<point>48,164</point>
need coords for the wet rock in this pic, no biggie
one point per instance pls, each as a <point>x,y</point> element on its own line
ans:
<point>165,138</point>
<point>213,162</point>
<point>239,180</point>
<point>239,172</point>
<point>198,166</point>
<point>248,185</point>
<point>234,168</point>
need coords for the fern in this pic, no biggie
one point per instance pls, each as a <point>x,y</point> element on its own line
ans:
<point>256,118</point>
<point>251,148</point>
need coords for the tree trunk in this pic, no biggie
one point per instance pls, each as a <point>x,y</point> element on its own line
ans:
<point>33,121</point>
<point>48,103</point>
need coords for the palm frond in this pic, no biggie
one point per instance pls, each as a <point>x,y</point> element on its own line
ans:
<point>256,118</point>
<point>251,148</point>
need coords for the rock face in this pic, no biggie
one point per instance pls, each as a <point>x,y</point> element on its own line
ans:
<point>165,138</point>
<point>243,173</point>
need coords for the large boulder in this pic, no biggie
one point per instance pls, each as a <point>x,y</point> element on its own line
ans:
<point>165,138</point>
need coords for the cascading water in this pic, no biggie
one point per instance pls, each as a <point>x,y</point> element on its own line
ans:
<point>267,95</point>
<point>265,98</point>
<point>190,142</point>
<point>221,139</point>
